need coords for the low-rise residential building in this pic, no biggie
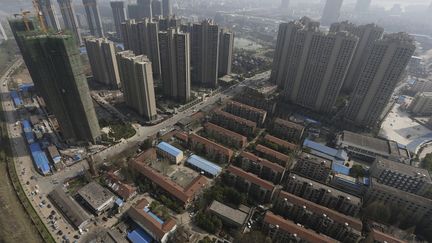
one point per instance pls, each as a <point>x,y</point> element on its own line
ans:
<point>247,112</point>
<point>225,136</point>
<point>287,130</point>
<point>183,195</point>
<point>339,156</point>
<point>401,176</point>
<point>212,150</point>
<point>346,183</point>
<point>69,208</point>
<point>122,189</point>
<point>323,195</point>
<point>234,123</point>
<point>170,152</point>
<point>313,167</point>
<point>274,156</point>
<point>376,236</point>
<point>96,198</point>
<point>203,166</point>
<point>257,188</point>
<point>280,143</point>
<point>318,218</point>
<point>418,207</point>
<point>261,167</point>
<point>369,148</point>
<point>157,228</point>
<point>230,216</point>
<point>281,230</point>
<point>422,104</point>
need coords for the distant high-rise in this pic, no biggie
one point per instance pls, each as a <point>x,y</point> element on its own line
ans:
<point>284,4</point>
<point>119,14</point>
<point>367,34</point>
<point>166,8</point>
<point>48,14</point>
<point>168,22</point>
<point>156,8</point>
<point>133,11</point>
<point>142,38</point>
<point>102,56</point>
<point>3,35</point>
<point>145,8</point>
<point>69,19</point>
<point>226,45</point>
<point>175,64</point>
<point>311,65</point>
<point>331,12</point>
<point>137,82</point>
<point>205,53</point>
<point>93,17</point>
<point>362,6</point>
<point>379,75</point>
<point>54,63</point>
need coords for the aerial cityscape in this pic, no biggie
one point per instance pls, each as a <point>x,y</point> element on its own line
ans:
<point>215,121</point>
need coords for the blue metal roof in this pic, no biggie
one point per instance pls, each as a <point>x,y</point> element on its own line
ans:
<point>341,169</point>
<point>25,87</point>
<point>159,220</point>
<point>324,150</point>
<point>169,149</point>
<point>204,165</point>
<point>139,236</point>
<point>16,99</point>
<point>40,158</point>
<point>28,132</point>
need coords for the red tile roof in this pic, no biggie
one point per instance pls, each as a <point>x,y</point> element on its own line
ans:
<point>292,228</point>
<point>281,142</point>
<point>238,119</point>
<point>226,151</point>
<point>263,162</point>
<point>183,194</point>
<point>182,136</point>
<point>138,214</point>
<point>247,107</point>
<point>272,153</point>
<point>149,154</point>
<point>212,127</point>
<point>318,209</point>
<point>383,237</point>
<point>122,189</point>
<point>289,124</point>
<point>250,177</point>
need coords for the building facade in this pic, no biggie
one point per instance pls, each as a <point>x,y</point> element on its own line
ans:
<point>247,112</point>
<point>287,130</point>
<point>119,15</point>
<point>70,19</point>
<point>48,14</point>
<point>225,136</point>
<point>261,167</point>
<point>226,46</point>
<point>94,21</point>
<point>212,150</point>
<point>137,82</point>
<point>313,167</point>
<point>234,123</point>
<point>167,8</point>
<point>422,104</point>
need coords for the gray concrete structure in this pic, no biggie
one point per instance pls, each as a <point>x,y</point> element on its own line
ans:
<point>70,19</point>
<point>48,14</point>
<point>101,53</point>
<point>175,64</point>
<point>137,82</point>
<point>144,9</point>
<point>331,12</point>
<point>205,53</point>
<point>156,8</point>
<point>94,21</point>
<point>119,15</point>
<point>166,8</point>
<point>226,46</point>
<point>381,72</point>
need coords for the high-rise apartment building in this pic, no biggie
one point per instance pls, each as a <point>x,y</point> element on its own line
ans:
<point>48,14</point>
<point>226,46</point>
<point>169,22</point>
<point>156,8</point>
<point>166,8</point>
<point>175,64</point>
<point>331,12</point>
<point>70,19</point>
<point>55,67</point>
<point>382,70</point>
<point>137,82</point>
<point>133,11</point>
<point>119,15</point>
<point>141,37</point>
<point>3,35</point>
<point>422,104</point>
<point>144,8</point>
<point>362,6</point>
<point>311,65</point>
<point>367,35</point>
<point>205,53</point>
<point>93,18</point>
<point>102,56</point>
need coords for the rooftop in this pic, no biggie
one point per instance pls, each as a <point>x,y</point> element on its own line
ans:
<point>314,159</point>
<point>39,158</point>
<point>169,149</point>
<point>235,118</point>
<point>272,153</point>
<point>95,195</point>
<point>383,237</point>
<point>247,107</point>
<point>226,132</point>
<point>289,124</point>
<point>402,168</point>
<point>204,165</point>
<point>214,145</point>
<point>292,228</point>
<point>281,142</point>
<point>225,211</point>
<point>251,178</point>
<point>263,162</point>
<point>324,151</point>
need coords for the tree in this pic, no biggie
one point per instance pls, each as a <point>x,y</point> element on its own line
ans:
<point>357,171</point>
<point>253,236</point>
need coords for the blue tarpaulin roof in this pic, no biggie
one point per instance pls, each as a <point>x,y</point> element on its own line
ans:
<point>159,220</point>
<point>341,169</point>
<point>324,151</point>
<point>16,99</point>
<point>25,87</point>
<point>28,132</point>
<point>139,236</point>
<point>40,158</point>
<point>169,149</point>
<point>204,165</point>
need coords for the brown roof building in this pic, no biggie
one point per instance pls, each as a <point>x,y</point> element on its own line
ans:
<point>225,136</point>
<point>263,168</point>
<point>213,150</point>
<point>281,143</point>
<point>273,155</point>
<point>155,227</point>
<point>247,112</point>
<point>376,236</point>
<point>123,190</point>
<point>287,130</point>
<point>282,230</point>
<point>234,123</point>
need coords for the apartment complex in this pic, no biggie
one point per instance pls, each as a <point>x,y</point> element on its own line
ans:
<point>137,82</point>
<point>261,167</point>
<point>287,130</point>
<point>306,82</point>
<point>247,112</point>
<point>93,18</point>
<point>273,155</point>
<point>70,19</point>
<point>313,167</point>
<point>205,53</point>
<point>119,14</point>
<point>226,46</point>
<point>213,150</point>
<point>102,57</point>
<point>175,64</point>
<point>384,66</point>
<point>49,14</point>
<point>323,195</point>
<point>225,136</point>
<point>422,104</point>
<point>331,12</point>
<point>235,123</point>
